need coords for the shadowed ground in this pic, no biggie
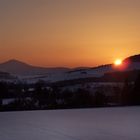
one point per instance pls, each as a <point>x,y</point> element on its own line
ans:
<point>81,124</point>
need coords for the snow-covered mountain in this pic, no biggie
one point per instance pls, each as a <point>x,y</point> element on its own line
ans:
<point>32,73</point>
<point>20,68</point>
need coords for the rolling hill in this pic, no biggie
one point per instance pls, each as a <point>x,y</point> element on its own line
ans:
<point>17,67</point>
<point>32,73</point>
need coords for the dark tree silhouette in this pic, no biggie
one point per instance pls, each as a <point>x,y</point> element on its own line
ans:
<point>125,96</point>
<point>100,99</point>
<point>40,95</point>
<point>135,95</point>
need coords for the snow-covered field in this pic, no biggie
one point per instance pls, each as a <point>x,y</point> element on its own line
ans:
<point>81,124</point>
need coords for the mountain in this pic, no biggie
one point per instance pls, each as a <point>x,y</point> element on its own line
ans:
<point>129,64</point>
<point>132,63</point>
<point>135,58</point>
<point>20,68</point>
<point>33,73</point>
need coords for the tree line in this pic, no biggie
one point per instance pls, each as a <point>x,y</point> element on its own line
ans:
<point>41,96</point>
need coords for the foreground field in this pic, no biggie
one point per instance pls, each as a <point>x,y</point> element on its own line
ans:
<point>82,124</point>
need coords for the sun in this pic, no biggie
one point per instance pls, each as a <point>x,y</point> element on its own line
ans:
<point>118,62</point>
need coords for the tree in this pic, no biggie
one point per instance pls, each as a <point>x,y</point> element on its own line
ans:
<point>125,96</point>
<point>83,98</point>
<point>3,90</point>
<point>100,99</point>
<point>135,95</point>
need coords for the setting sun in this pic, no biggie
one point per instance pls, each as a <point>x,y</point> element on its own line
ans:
<point>118,62</point>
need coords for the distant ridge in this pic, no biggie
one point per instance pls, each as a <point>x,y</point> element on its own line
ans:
<point>22,69</point>
<point>17,67</point>
<point>134,58</point>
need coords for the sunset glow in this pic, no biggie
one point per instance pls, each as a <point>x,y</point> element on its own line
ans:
<point>69,33</point>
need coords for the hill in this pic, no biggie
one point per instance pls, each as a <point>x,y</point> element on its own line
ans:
<point>32,73</point>
<point>20,68</point>
<point>135,58</point>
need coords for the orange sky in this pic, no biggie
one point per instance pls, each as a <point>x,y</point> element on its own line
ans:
<point>69,32</point>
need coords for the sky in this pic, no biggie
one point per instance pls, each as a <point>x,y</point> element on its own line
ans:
<point>69,33</point>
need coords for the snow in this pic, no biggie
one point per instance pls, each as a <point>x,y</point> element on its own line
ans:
<point>61,74</point>
<point>81,124</point>
<point>85,73</point>
<point>8,101</point>
<point>55,77</point>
